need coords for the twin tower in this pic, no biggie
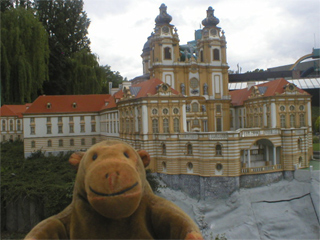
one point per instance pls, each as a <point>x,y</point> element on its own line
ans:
<point>197,69</point>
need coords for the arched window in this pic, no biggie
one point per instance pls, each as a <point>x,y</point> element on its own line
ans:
<point>189,167</point>
<point>189,149</point>
<point>292,120</point>
<point>155,126</point>
<point>49,143</point>
<point>167,53</point>
<point>300,144</point>
<point>164,166</point>
<point>176,125</point>
<point>216,54</point>
<point>33,144</point>
<point>71,142</point>
<point>201,56</point>
<point>195,107</point>
<point>218,150</point>
<point>3,125</point>
<point>219,166</point>
<point>302,121</point>
<point>164,149</point>
<point>282,121</point>
<point>60,143</point>
<point>83,141</point>
<point>166,125</point>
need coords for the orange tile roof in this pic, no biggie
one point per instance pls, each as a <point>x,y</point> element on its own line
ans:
<point>13,110</point>
<point>64,103</point>
<point>271,88</point>
<point>146,87</point>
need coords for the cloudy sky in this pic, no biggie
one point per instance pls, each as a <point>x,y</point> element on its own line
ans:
<point>259,33</point>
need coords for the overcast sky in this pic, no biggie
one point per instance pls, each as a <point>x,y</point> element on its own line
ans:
<point>259,33</point>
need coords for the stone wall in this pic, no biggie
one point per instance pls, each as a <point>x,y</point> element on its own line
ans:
<point>203,188</point>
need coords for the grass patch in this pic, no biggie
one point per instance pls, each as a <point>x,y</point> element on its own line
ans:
<point>316,147</point>
<point>315,164</point>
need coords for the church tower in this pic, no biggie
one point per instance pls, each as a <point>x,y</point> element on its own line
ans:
<point>198,69</point>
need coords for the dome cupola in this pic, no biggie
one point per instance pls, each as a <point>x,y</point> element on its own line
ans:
<point>163,17</point>
<point>210,20</point>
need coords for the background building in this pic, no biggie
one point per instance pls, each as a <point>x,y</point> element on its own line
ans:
<point>201,137</point>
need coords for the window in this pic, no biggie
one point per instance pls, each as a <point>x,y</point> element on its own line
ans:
<point>165,111</point>
<point>195,107</point>
<point>60,143</point>
<point>93,118</point>
<point>3,125</point>
<point>176,125</point>
<point>282,121</point>
<point>164,166</point>
<point>219,124</point>
<point>32,130</point>
<point>219,166</point>
<point>154,111</point>
<point>167,53</point>
<point>302,121</point>
<point>33,144</point>
<point>70,119</point>
<point>81,118</point>
<point>71,142</point>
<point>189,167</point>
<point>176,110</point>
<point>155,127</point>
<point>194,83</point>
<point>19,125</point>
<point>166,125</point>
<point>205,125</point>
<point>74,105</point>
<point>216,54</point>
<point>300,144</point>
<point>127,125</point>
<point>282,108</point>
<point>292,108</point>
<point>82,128</point>
<point>71,128</point>
<point>218,108</point>
<point>196,122</point>
<point>49,130</point>
<point>48,119</point>
<point>164,149</point>
<point>292,120</point>
<point>11,125</point>
<point>189,149</point>
<point>93,140</point>
<point>83,142</point>
<point>218,150</point>
<point>32,120</point>
<point>59,119</point>
<point>49,143</point>
<point>301,107</point>
<point>49,105</point>
<point>60,129</point>
<point>201,56</point>
<point>93,128</point>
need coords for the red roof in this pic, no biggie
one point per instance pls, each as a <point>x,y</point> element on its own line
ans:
<point>13,110</point>
<point>268,88</point>
<point>145,88</point>
<point>71,103</point>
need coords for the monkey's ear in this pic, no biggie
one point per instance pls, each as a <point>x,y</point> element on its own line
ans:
<point>75,159</point>
<point>145,157</point>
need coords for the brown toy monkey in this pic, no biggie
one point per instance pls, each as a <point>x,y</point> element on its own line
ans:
<point>113,200</point>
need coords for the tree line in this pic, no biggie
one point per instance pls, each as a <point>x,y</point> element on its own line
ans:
<point>45,50</point>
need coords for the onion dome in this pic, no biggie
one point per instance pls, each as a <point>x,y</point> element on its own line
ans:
<point>210,20</point>
<point>163,17</point>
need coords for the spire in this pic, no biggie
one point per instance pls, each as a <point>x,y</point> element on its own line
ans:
<point>210,20</point>
<point>163,17</point>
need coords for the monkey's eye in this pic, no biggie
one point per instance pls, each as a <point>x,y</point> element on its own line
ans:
<point>126,155</point>
<point>94,156</point>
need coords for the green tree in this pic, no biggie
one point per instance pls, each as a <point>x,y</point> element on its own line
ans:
<point>111,76</point>
<point>24,56</point>
<point>67,25</point>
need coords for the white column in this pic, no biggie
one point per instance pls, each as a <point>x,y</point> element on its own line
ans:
<point>267,153</point>
<point>184,118</point>
<point>145,123</point>
<point>265,115</point>
<point>309,114</point>
<point>273,115</point>
<point>274,155</point>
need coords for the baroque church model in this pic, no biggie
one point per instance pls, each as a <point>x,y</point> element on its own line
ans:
<point>181,111</point>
